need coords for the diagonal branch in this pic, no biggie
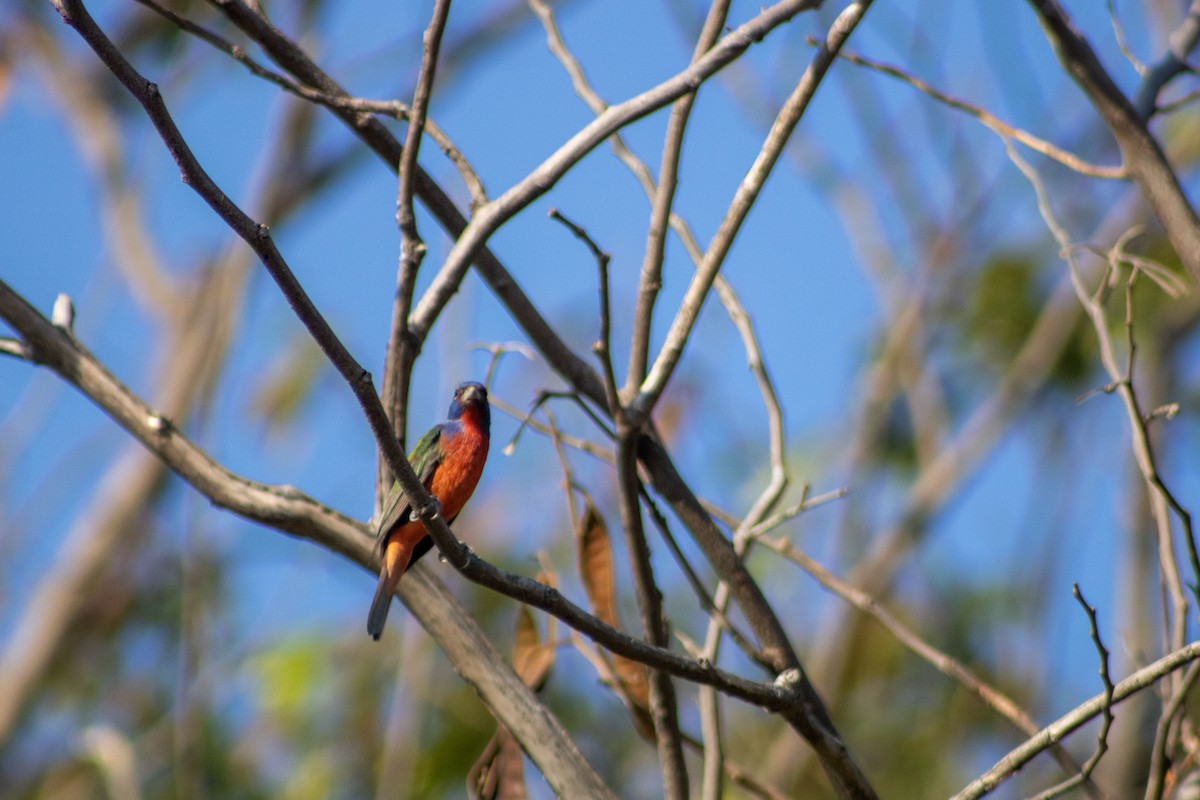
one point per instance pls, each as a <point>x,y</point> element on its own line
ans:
<point>949,666</point>
<point>490,217</point>
<point>1145,160</point>
<point>1017,758</point>
<point>994,123</point>
<point>288,55</point>
<point>747,193</point>
<point>660,215</point>
<point>257,235</point>
<point>402,348</point>
<point>290,511</point>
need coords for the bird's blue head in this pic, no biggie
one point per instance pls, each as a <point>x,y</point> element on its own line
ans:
<point>470,399</point>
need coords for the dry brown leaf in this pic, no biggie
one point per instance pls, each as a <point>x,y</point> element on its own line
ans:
<point>499,774</point>
<point>635,690</point>
<point>596,566</point>
<point>596,569</point>
<point>532,658</point>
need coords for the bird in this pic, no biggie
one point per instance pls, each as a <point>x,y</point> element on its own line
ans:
<point>448,461</point>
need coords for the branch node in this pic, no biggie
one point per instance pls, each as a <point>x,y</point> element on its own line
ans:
<point>63,315</point>
<point>789,679</point>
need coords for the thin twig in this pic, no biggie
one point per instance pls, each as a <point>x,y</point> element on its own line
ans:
<point>770,495</point>
<point>1123,382</point>
<point>949,666</point>
<point>1162,498</point>
<point>1106,712</point>
<point>742,776</point>
<point>569,484</point>
<point>603,345</point>
<point>527,420</point>
<point>543,396</point>
<point>998,126</point>
<point>15,348</point>
<point>1179,104</point>
<point>1080,715</point>
<point>498,350</point>
<point>339,102</point>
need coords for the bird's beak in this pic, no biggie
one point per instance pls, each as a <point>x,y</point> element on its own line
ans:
<point>474,394</point>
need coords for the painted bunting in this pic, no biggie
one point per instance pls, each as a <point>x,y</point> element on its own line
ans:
<point>448,461</point>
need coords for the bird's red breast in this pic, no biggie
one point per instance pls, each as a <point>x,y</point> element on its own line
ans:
<point>465,449</point>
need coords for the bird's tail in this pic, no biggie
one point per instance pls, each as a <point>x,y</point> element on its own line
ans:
<point>396,556</point>
<point>380,605</point>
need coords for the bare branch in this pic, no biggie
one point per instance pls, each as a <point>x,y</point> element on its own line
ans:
<point>654,457</point>
<point>1161,497</point>
<point>663,707</point>
<point>335,101</point>
<point>1106,711</point>
<point>402,347</point>
<point>1122,42</point>
<point>656,237</point>
<point>288,510</point>
<point>257,235</point>
<point>1143,157</point>
<point>781,130</point>
<point>1080,715</point>
<point>288,55</point>
<point>1182,42</point>
<point>1161,768</point>
<point>527,421</point>
<point>998,126</point>
<point>807,716</point>
<point>944,663</point>
<point>540,180</point>
<point>14,348</point>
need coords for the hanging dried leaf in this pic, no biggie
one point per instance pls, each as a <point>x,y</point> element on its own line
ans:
<point>596,566</point>
<point>596,569</point>
<point>635,691</point>
<point>499,774</point>
<point>532,658</point>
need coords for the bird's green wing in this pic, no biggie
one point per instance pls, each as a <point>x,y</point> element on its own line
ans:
<point>425,458</point>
